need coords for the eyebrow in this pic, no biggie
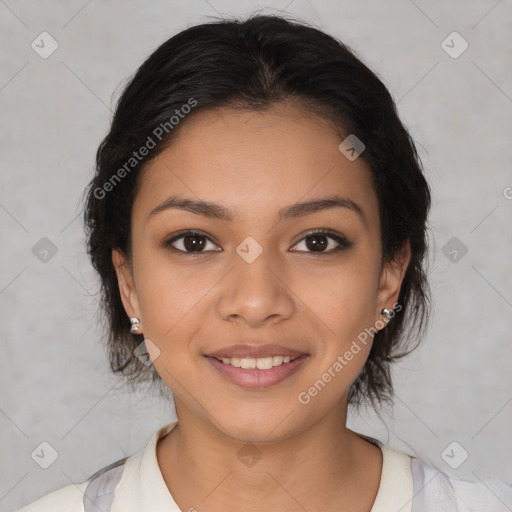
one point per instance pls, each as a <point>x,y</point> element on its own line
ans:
<point>217,211</point>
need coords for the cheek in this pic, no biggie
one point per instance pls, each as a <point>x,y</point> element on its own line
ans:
<point>342,298</point>
<point>343,304</point>
<point>174,300</point>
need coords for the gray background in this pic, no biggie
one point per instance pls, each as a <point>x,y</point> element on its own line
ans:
<point>55,382</point>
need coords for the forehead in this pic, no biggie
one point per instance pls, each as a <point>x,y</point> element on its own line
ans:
<point>255,162</point>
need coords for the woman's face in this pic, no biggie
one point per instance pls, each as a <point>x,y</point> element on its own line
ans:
<point>258,277</point>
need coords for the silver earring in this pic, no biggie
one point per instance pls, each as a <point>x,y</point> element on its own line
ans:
<point>135,327</point>
<point>386,312</point>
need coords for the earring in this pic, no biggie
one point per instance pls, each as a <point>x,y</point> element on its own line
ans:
<point>135,327</point>
<point>386,312</point>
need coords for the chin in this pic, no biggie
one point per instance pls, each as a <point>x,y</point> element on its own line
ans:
<point>258,425</point>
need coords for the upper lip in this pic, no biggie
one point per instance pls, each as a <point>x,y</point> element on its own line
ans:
<point>254,351</point>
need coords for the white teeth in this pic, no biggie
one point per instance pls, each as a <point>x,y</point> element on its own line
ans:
<point>277,360</point>
<point>248,362</point>
<point>261,363</point>
<point>264,363</point>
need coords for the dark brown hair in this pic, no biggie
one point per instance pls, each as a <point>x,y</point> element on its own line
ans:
<point>253,64</point>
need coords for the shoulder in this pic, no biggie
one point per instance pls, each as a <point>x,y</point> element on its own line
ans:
<point>65,499</point>
<point>99,489</point>
<point>435,490</point>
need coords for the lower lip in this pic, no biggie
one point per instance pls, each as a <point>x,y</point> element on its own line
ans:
<point>248,378</point>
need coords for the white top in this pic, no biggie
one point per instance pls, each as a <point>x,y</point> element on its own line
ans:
<point>407,484</point>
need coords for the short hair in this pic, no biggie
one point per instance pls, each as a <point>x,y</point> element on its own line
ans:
<point>253,64</point>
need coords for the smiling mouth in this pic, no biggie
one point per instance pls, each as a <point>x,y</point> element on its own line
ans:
<point>256,363</point>
<point>257,372</point>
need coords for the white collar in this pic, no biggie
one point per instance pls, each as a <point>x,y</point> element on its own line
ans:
<point>142,486</point>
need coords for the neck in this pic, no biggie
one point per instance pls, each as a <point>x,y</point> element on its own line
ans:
<point>314,468</point>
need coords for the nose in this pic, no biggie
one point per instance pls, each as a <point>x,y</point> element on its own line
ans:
<point>256,293</point>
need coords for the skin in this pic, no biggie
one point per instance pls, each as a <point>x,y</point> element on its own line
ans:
<point>256,163</point>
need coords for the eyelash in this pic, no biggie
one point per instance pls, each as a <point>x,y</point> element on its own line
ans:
<point>341,240</point>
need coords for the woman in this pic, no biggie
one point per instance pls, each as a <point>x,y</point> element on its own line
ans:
<point>258,220</point>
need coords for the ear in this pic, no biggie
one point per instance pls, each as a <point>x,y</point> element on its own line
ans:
<point>126,284</point>
<point>391,279</point>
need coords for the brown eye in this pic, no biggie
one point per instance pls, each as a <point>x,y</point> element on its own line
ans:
<point>189,242</point>
<point>317,242</point>
<point>194,243</point>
